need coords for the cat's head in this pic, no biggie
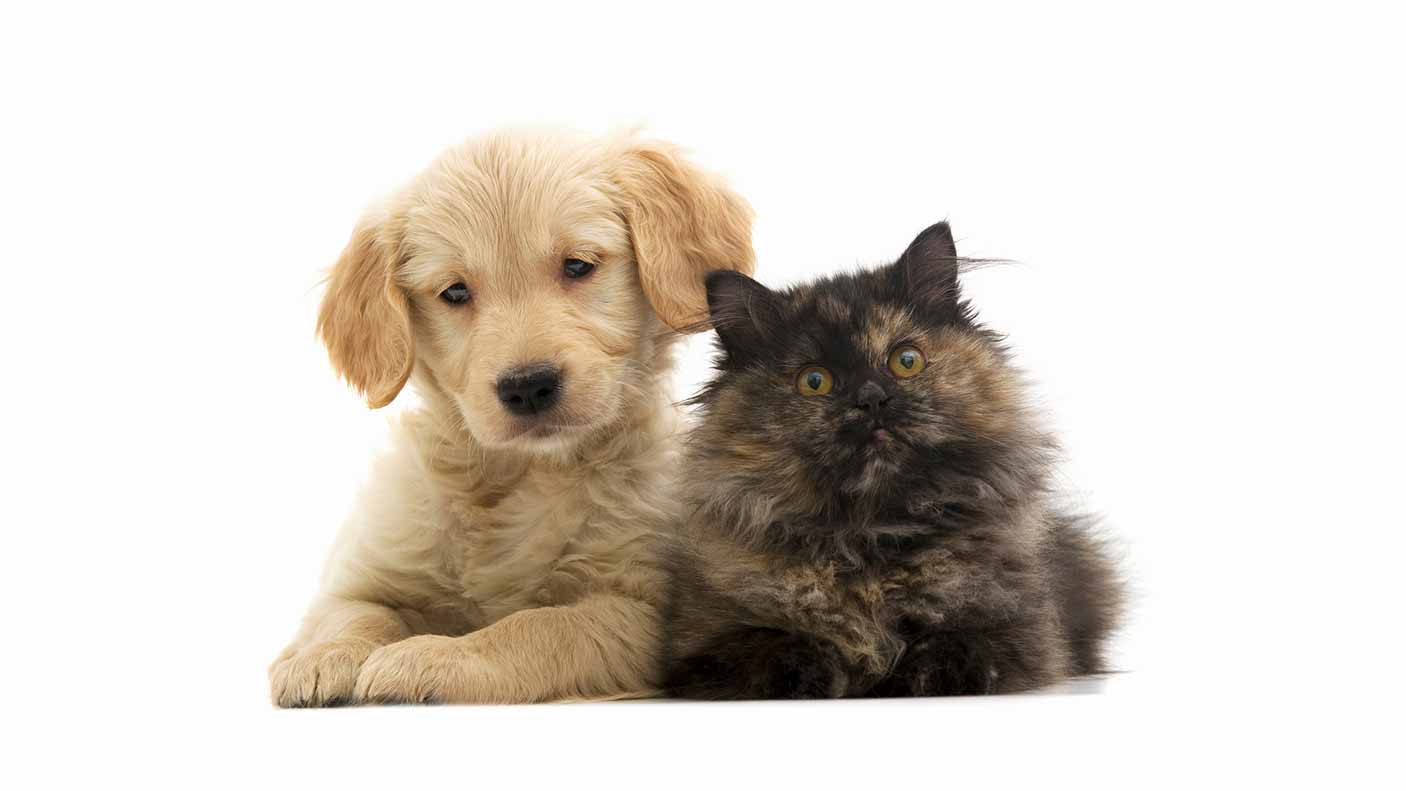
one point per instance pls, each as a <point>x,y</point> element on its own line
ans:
<point>874,390</point>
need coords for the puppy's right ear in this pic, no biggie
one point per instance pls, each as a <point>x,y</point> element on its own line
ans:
<point>365,317</point>
<point>746,314</point>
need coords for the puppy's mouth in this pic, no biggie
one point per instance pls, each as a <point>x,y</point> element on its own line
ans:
<point>545,429</point>
<point>561,425</point>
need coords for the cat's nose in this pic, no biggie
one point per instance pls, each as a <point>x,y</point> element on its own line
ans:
<point>871,397</point>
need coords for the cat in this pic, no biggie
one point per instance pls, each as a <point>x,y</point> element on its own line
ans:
<point>868,500</point>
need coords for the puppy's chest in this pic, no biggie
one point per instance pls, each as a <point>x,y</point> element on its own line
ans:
<point>546,541</point>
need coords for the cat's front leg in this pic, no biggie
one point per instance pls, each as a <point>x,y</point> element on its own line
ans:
<point>753,663</point>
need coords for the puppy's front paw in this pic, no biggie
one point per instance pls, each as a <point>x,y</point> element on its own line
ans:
<point>428,669</point>
<point>320,674</point>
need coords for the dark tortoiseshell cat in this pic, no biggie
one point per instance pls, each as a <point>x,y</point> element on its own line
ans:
<point>868,510</point>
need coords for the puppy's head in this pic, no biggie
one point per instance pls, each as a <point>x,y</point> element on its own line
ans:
<point>531,279</point>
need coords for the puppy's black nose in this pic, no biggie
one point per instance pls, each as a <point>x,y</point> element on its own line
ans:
<point>871,397</point>
<point>531,389</point>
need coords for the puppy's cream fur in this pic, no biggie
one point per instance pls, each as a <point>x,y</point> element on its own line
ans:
<point>492,559</point>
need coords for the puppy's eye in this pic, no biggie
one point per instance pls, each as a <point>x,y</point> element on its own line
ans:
<point>814,381</point>
<point>906,361</point>
<point>575,267</point>
<point>456,294</point>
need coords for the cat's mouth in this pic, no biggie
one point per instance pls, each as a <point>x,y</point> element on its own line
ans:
<point>883,443</point>
<point>882,439</point>
<point>875,438</point>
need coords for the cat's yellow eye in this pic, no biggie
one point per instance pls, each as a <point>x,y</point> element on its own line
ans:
<point>906,361</point>
<point>814,381</point>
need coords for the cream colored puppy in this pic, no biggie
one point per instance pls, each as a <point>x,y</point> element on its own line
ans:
<point>530,286</point>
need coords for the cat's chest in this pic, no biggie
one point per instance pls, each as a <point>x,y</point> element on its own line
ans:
<point>880,595</point>
<point>864,615</point>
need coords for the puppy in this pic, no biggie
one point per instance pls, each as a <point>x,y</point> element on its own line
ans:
<point>530,287</point>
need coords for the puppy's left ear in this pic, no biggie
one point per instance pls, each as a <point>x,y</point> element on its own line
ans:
<point>684,222</point>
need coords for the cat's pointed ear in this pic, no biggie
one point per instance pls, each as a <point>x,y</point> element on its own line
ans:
<point>928,268</point>
<point>745,313</point>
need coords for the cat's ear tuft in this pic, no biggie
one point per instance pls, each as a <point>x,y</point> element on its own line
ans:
<point>745,313</point>
<point>929,266</point>
<point>935,241</point>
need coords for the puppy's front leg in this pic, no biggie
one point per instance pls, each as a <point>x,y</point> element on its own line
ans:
<point>604,645</point>
<point>320,667</point>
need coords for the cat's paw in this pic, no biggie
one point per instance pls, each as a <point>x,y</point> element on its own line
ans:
<point>805,668</point>
<point>759,664</point>
<point>942,665</point>
<point>429,669</point>
<point>319,674</point>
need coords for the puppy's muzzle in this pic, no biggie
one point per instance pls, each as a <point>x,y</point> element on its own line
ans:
<point>530,389</point>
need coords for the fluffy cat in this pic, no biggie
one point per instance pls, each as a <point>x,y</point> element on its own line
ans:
<point>869,508</point>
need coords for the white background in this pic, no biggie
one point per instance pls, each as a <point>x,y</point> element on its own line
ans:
<point>1205,203</point>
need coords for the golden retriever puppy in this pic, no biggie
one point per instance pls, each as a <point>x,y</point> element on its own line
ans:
<point>530,286</point>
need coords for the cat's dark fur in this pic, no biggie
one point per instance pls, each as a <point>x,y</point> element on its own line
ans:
<point>823,559</point>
